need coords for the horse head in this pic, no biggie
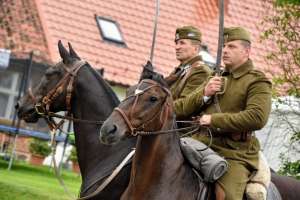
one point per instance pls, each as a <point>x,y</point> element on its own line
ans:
<point>146,108</point>
<point>51,92</point>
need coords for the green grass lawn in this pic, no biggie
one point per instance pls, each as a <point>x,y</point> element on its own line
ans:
<point>26,182</point>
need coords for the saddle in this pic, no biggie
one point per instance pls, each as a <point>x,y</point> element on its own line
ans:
<point>260,186</point>
<point>206,164</point>
<point>209,167</point>
<point>203,159</point>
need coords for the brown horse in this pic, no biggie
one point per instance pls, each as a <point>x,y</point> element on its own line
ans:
<point>91,99</point>
<point>159,171</point>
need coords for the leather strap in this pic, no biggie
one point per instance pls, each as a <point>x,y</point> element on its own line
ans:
<point>183,81</point>
<point>242,137</point>
<point>216,103</point>
<point>111,177</point>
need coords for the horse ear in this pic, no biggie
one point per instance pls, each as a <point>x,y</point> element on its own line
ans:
<point>64,54</point>
<point>149,66</point>
<point>147,72</point>
<point>160,78</point>
<point>101,71</point>
<point>72,52</point>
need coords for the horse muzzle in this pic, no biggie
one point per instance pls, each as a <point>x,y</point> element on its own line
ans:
<point>109,134</point>
<point>27,113</point>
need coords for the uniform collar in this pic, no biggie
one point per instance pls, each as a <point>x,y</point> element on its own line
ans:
<point>183,67</point>
<point>191,61</point>
<point>243,69</point>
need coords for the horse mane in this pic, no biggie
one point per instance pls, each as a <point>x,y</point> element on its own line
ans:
<point>157,77</point>
<point>105,85</point>
<point>149,73</point>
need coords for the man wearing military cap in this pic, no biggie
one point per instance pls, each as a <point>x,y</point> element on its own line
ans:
<point>243,108</point>
<point>191,71</point>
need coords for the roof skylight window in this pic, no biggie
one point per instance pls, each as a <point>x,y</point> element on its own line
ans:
<point>110,30</point>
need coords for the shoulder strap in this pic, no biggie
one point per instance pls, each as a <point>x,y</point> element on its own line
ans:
<point>182,83</point>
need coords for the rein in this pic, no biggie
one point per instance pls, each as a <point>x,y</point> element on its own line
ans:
<point>134,131</point>
<point>42,107</point>
<point>111,177</point>
<point>52,114</point>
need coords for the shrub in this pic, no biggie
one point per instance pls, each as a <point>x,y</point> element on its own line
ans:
<point>73,155</point>
<point>39,147</point>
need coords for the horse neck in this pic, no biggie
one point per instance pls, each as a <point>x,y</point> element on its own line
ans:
<point>91,101</point>
<point>94,99</point>
<point>158,160</point>
<point>154,148</point>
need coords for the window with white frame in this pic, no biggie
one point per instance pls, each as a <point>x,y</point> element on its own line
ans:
<point>9,87</point>
<point>110,30</point>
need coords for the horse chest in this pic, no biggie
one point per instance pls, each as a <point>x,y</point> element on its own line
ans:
<point>176,185</point>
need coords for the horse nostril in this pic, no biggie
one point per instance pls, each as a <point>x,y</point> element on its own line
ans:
<point>112,129</point>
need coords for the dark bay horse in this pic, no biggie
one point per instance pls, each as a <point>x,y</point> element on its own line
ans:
<point>91,99</point>
<point>159,171</point>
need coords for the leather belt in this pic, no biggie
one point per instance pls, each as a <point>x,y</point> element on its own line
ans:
<point>241,137</point>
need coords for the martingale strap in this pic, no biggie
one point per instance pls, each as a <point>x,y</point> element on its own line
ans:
<point>111,177</point>
<point>183,81</point>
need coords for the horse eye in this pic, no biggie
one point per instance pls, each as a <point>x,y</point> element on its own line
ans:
<point>153,99</point>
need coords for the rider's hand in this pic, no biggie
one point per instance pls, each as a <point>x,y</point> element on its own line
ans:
<point>205,120</point>
<point>214,85</point>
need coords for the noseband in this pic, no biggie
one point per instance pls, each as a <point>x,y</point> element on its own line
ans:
<point>163,114</point>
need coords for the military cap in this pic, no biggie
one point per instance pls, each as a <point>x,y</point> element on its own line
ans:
<point>188,32</point>
<point>236,33</point>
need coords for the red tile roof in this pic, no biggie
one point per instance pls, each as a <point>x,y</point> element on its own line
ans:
<point>21,30</point>
<point>74,21</point>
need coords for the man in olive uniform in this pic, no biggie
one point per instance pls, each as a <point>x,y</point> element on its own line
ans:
<point>233,116</point>
<point>192,71</point>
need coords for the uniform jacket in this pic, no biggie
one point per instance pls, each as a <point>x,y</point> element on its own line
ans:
<point>245,107</point>
<point>195,74</point>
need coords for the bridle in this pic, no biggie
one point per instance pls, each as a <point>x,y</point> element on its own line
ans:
<point>163,114</point>
<point>66,83</point>
<point>42,107</point>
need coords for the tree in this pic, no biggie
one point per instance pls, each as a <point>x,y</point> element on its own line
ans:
<point>283,2</point>
<point>281,29</point>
